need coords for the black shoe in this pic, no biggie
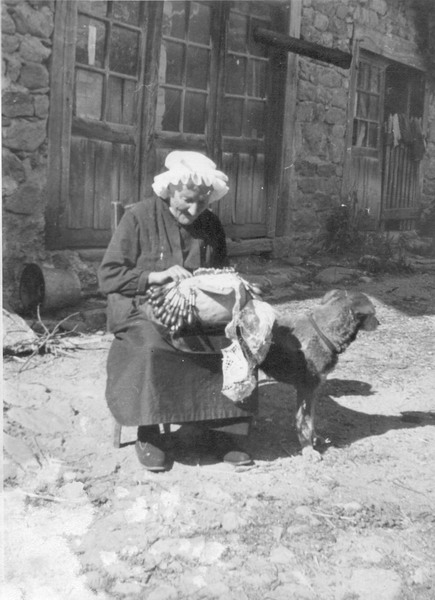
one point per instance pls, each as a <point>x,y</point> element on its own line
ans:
<point>151,457</point>
<point>149,448</point>
<point>227,449</point>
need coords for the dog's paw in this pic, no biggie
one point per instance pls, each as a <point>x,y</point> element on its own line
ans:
<point>311,455</point>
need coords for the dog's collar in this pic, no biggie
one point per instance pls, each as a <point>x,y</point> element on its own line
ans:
<point>322,336</point>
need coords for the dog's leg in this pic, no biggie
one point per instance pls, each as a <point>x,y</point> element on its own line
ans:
<point>306,402</point>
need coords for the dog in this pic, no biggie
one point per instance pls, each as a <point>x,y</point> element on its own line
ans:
<point>305,350</point>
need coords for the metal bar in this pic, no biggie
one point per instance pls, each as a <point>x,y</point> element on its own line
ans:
<point>332,56</point>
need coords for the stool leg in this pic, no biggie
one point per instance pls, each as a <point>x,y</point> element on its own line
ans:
<point>117,429</point>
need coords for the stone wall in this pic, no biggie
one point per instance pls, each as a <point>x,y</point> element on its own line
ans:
<point>322,102</point>
<point>27,29</point>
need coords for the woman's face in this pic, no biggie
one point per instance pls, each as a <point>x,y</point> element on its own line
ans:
<point>187,202</point>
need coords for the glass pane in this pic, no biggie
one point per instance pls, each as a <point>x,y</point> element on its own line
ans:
<point>253,47</point>
<point>237,32</point>
<point>194,113</point>
<point>89,88</point>
<point>120,102</point>
<point>363,73</point>
<point>359,138</point>
<point>373,135</point>
<point>199,23</point>
<point>91,35</point>
<point>171,63</point>
<point>171,110</point>
<point>174,19</point>
<point>127,12</point>
<point>232,117</point>
<point>374,79</point>
<point>373,111</point>
<point>235,75</point>
<point>362,105</point>
<point>124,49</point>
<point>254,125</point>
<point>197,67</point>
<point>95,7</point>
<point>257,78</point>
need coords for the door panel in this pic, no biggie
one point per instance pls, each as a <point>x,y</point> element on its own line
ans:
<point>110,42</point>
<point>213,82</point>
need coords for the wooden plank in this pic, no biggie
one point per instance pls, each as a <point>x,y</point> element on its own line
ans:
<point>103,186</point>
<point>73,217</point>
<point>226,206</point>
<point>114,133</point>
<point>246,247</point>
<point>400,213</point>
<point>128,180</point>
<point>258,195</point>
<point>244,179</point>
<point>60,116</point>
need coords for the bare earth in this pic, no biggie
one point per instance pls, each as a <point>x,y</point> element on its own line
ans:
<point>85,521</point>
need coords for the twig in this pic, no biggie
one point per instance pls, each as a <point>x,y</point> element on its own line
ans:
<point>48,498</point>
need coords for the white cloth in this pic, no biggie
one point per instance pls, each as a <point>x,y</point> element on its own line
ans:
<point>184,166</point>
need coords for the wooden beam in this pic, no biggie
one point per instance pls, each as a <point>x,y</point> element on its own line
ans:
<point>332,56</point>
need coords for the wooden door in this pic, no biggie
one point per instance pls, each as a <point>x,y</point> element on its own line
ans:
<point>364,170</point>
<point>107,104</point>
<point>214,96</point>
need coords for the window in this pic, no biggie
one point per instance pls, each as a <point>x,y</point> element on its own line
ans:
<point>107,60</point>
<point>366,123</point>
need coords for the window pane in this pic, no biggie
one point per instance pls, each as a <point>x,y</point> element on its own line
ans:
<point>257,78</point>
<point>89,88</point>
<point>232,117</point>
<point>121,99</point>
<point>254,125</point>
<point>91,35</point>
<point>199,23</point>
<point>373,135</point>
<point>373,111</point>
<point>363,73</point>
<point>171,63</point>
<point>170,104</point>
<point>194,113</point>
<point>253,47</point>
<point>95,7</point>
<point>127,12</point>
<point>174,19</point>
<point>362,105</point>
<point>197,68</point>
<point>124,48</point>
<point>359,138</point>
<point>374,79</point>
<point>235,75</point>
<point>237,32</point>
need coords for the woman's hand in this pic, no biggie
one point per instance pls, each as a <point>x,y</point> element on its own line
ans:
<point>174,273</point>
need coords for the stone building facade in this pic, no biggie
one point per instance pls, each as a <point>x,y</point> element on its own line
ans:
<point>315,152</point>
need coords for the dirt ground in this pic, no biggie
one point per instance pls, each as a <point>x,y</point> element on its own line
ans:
<point>84,520</point>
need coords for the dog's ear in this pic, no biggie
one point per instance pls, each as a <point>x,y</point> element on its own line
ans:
<point>369,323</point>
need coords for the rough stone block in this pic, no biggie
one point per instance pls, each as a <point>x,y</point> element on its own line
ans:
<point>26,199</point>
<point>25,135</point>
<point>34,76</point>
<point>12,166</point>
<point>33,50</point>
<point>17,104</point>
<point>8,25</point>
<point>321,22</point>
<point>335,116</point>
<point>42,104</point>
<point>10,43</point>
<point>35,22</point>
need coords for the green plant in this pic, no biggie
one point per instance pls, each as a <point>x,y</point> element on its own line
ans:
<point>341,228</point>
<point>426,222</point>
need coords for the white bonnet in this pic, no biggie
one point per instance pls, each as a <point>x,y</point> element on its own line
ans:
<point>184,165</point>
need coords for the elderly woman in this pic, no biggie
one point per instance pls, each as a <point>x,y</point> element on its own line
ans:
<point>153,379</point>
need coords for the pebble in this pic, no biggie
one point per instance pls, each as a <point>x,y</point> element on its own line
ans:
<point>231,521</point>
<point>163,592</point>
<point>352,508</point>
<point>127,588</point>
<point>367,584</point>
<point>281,555</point>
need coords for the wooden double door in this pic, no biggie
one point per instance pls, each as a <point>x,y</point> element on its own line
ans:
<point>140,79</point>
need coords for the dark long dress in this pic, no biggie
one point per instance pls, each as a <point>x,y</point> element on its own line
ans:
<point>149,380</point>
